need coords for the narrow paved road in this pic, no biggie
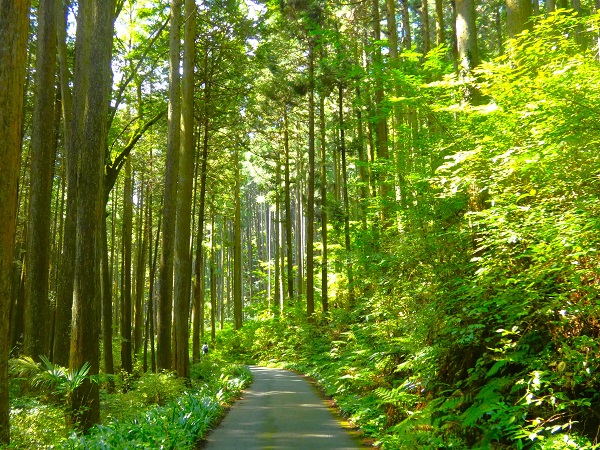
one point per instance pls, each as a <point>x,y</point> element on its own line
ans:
<point>280,411</point>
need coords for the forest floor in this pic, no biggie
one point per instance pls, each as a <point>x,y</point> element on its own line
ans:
<point>281,410</point>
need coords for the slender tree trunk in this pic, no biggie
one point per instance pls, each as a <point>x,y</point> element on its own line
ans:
<point>439,22</point>
<point>107,305</point>
<point>222,273</point>
<point>299,213</point>
<point>140,276</point>
<point>425,26</point>
<point>151,300</point>
<point>278,295</point>
<point>165,299</point>
<point>381,141</point>
<point>237,247</point>
<point>66,274</point>
<point>199,264</point>
<point>288,207</point>
<point>406,39</point>
<point>362,157</point>
<point>13,35</point>
<point>126,359</point>
<point>95,23</point>
<point>183,264</point>
<point>324,255</point>
<point>213,281</point>
<point>310,213</point>
<point>43,150</point>
<point>499,37</point>
<point>550,5</point>
<point>345,193</point>
<point>393,30</point>
<point>269,281</point>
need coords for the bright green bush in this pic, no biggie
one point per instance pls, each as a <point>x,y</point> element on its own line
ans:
<point>177,425</point>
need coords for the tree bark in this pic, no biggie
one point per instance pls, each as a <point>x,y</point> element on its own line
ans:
<point>518,13</point>
<point>393,30</point>
<point>95,22</point>
<point>466,35</point>
<point>183,265</point>
<point>140,276</point>
<point>324,254</point>
<point>165,298</point>
<point>425,26</point>
<point>43,150</point>
<point>406,38</point>
<point>237,247</point>
<point>107,305</point>
<point>348,261</point>
<point>66,273</point>
<point>13,35</point>
<point>439,22</point>
<point>466,39</point>
<point>381,140</point>
<point>126,359</point>
<point>288,207</point>
<point>198,323</point>
<point>278,294</point>
<point>310,207</point>
<point>213,281</point>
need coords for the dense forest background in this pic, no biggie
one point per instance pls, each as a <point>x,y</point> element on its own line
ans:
<point>400,199</point>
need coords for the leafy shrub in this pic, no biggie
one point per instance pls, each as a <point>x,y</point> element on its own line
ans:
<point>179,424</point>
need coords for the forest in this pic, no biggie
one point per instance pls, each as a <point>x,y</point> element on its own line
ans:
<point>400,199</point>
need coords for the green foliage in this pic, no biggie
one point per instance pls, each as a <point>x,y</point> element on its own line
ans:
<point>50,377</point>
<point>36,423</point>
<point>179,424</point>
<point>176,425</point>
<point>157,411</point>
<point>475,326</point>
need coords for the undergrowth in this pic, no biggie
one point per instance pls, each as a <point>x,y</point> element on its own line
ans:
<point>389,384</point>
<point>145,410</point>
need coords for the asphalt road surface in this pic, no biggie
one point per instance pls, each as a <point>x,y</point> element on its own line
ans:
<point>280,410</point>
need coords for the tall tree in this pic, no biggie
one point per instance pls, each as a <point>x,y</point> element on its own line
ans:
<point>95,24</point>
<point>518,13</point>
<point>237,246</point>
<point>165,297</point>
<point>288,205</point>
<point>425,26</point>
<point>406,37</point>
<point>439,22</point>
<point>324,223</point>
<point>66,272</point>
<point>466,41</point>
<point>140,277</point>
<point>13,42</point>
<point>310,205</point>
<point>347,245</point>
<point>126,348</point>
<point>183,267</point>
<point>380,121</point>
<point>43,149</point>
